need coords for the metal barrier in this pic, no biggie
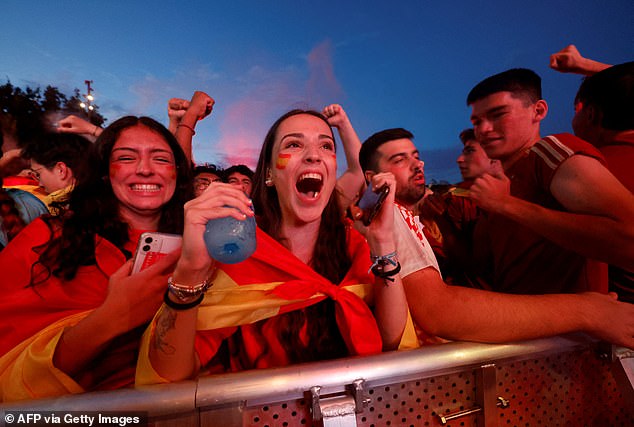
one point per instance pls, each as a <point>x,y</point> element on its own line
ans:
<point>566,380</point>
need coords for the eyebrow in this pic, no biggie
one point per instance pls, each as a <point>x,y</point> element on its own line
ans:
<point>301,135</point>
<point>154,150</point>
<point>402,153</point>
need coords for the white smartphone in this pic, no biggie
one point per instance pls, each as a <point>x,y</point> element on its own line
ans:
<point>153,246</point>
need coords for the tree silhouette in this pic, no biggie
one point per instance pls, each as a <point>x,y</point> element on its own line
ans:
<point>30,105</point>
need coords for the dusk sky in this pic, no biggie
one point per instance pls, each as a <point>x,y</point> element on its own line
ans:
<point>390,64</point>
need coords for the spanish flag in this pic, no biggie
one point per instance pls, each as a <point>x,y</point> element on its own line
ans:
<point>282,161</point>
<point>273,282</point>
<point>36,316</point>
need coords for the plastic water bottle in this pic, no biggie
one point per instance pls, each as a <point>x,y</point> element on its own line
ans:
<point>230,240</point>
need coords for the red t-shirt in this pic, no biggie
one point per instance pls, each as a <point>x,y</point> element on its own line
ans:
<point>525,262</point>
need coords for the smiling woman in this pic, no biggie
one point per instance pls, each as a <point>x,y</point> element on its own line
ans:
<point>142,175</point>
<point>72,309</point>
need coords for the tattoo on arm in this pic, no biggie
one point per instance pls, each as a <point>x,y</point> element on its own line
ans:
<point>166,322</point>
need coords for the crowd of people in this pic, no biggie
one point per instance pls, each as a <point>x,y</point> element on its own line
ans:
<point>537,240</point>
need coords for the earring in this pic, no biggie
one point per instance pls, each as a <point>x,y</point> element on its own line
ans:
<point>269,179</point>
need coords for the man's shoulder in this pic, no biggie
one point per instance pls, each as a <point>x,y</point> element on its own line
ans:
<point>555,149</point>
<point>405,222</point>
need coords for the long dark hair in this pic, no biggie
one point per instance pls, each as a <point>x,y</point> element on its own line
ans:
<point>11,222</point>
<point>330,259</point>
<point>68,148</point>
<point>93,208</point>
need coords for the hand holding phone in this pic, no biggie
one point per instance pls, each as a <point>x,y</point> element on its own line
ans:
<point>153,246</point>
<point>370,203</point>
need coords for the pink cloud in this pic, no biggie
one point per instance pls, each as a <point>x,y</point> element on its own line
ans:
<point>322,87</point>
<point>245,121</point>
<point>269,93</point>
<point>242,130</point>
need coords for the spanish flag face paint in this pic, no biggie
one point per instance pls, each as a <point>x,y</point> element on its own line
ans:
<point>303,168</point>
<point>282,160</point>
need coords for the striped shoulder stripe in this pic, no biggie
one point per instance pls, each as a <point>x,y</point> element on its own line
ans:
<point>552,151</point>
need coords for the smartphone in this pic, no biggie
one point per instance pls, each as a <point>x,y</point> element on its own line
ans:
<point>153,246</point>
<point>371,202</point>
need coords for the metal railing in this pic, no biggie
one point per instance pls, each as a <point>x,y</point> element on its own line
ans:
<point>237,391</point>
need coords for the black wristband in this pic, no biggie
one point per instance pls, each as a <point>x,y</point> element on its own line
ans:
<point>181,306</point>
<point>387,275</point>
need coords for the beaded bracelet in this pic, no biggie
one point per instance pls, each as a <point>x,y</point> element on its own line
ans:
<point>181,306</point>
<point>184,292</point>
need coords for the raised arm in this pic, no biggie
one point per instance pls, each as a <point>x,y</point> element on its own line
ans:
<point>598,223</point>
<point>199,107</point>
<point>390,309</point>
<point>176,108</point>
<point>351,182</point>
<point>569,60</point>
<point>74,124</point>
<point>171,351</point>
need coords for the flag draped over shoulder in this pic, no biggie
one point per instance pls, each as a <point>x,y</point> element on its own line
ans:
<point>36,316</point>
<point>273,282</point>
<point>27,371</point>
<point>28,309</point>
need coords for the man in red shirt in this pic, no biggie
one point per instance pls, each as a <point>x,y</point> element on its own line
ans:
<point>604,116</point>
<point>550,206</point>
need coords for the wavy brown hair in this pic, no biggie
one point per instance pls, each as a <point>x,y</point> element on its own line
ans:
<point>93,207</point>
<point>10,219</point>
<point>330,259</point>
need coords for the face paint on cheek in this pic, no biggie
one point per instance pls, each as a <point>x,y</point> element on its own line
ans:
<point>282,161</point>
<point>172,170</point>
<point>114,169</point>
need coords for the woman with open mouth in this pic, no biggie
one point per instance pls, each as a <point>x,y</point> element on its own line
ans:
<point>302,296</point>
